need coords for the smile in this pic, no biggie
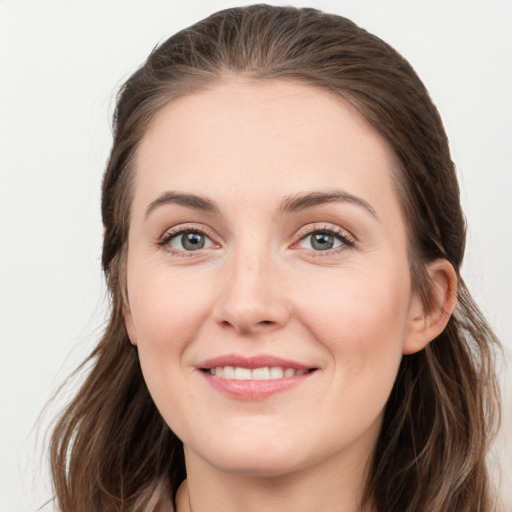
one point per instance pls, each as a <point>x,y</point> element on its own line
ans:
<point>254,377</point>
<point>263,373</point>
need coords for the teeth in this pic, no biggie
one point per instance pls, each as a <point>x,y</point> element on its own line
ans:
<point>276,373</point>
<point>264,373</point>
<point>289,372</point>
<point>228,372</point>
<point>243,374</point>
<point>261,373</point>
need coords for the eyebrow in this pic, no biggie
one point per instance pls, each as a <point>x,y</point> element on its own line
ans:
<point>294,203</point>
<point>183,199</point>
<point>300,202</point>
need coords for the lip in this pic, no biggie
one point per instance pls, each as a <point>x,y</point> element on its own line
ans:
<point>251,362</point>
<point>250,390</point>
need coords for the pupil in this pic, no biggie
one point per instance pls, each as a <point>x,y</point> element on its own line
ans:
<point>322,241</point>
<point>193,241</point>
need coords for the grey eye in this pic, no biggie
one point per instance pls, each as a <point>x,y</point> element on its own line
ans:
<point>190,241</point>
<point>321,241</point>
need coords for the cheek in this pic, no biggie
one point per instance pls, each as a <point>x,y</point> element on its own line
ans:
<point>363,332</point>
<point>361,319</point>
<point>167,313</point>
<point>367,308</point>
<point>167,309</point>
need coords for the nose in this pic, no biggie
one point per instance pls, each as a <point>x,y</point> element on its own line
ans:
<point>251,299</point>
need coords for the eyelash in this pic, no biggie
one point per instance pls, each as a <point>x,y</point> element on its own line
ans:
<point>347,241</point>
<point>166,239</point>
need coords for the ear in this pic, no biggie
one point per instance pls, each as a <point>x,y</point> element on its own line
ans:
<point>426,322</point>
<point>123,281</point>
<point>128,322</point>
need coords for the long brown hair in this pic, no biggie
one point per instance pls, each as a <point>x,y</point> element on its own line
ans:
<point>112,451</point>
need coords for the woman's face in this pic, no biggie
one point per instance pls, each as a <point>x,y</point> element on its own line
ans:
<point>268,279</point>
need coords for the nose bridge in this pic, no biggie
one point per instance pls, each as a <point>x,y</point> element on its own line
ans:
<point>251,298</point>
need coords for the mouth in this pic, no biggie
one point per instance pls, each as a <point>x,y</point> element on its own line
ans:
<point>254,377</point>
<point>260,373</point>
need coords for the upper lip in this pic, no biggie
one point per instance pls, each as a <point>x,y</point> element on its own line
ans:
<point>251,362</point>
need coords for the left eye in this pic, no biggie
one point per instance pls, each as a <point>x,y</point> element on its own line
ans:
<point>321,241</point>
<point>190,241</point>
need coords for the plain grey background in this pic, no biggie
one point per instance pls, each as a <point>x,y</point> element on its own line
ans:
<point>61,63</point>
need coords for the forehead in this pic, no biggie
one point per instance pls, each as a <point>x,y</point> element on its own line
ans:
<point>261,139</point>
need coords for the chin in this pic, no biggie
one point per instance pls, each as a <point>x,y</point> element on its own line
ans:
<point>258,466</point>
<point>258,458</point>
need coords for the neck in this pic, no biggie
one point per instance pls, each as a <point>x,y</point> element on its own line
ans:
<point>330,488</point>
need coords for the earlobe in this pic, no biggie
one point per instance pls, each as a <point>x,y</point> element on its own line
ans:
<point>426,322</point>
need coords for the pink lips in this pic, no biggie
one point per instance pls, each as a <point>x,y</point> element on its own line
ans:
<point>252,389</point>
<point>251,362</point>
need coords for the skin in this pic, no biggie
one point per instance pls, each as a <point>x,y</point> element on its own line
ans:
<point>259,286</point>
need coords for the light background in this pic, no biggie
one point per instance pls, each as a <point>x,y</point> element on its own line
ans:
<point>61,63</point>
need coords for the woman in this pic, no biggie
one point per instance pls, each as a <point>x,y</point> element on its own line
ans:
<point>289,328</point>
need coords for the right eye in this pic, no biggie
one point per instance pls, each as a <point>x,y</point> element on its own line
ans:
<point>187,241</point>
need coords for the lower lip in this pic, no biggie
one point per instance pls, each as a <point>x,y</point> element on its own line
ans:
<point>254,389</point>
